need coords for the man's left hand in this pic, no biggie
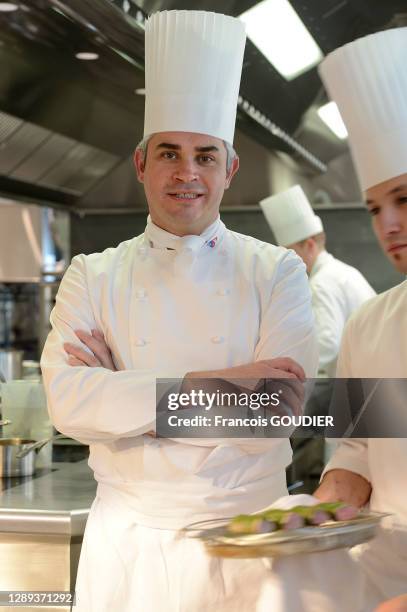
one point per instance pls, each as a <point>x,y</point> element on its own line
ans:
<point>101,357</point>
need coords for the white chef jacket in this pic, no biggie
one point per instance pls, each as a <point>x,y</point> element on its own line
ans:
<point>375,346</point>
<point>168,306</point>
<point>337,291</point>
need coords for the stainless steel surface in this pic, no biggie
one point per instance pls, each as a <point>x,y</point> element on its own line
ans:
<point>11,361</point>
<point>56,503</point>
<point>327,536</point>
<point>10,463</point>
<point>34,240</point>
<point>37,446</point>
<point>41,526</point>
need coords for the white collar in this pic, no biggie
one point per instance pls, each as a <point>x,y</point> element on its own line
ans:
<point>161,239</point>
<point>322,258</point>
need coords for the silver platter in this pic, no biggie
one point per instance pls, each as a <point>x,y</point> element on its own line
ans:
<point>327,536</point>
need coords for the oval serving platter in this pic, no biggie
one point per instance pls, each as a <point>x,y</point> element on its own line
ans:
<point>327,536</point>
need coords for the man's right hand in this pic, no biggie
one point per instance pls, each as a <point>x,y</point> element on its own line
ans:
<point>346,486</point>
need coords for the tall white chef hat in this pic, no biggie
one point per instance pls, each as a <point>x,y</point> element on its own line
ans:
<point>290,216</point>
<point>368,80</point>
<point>193,68</point>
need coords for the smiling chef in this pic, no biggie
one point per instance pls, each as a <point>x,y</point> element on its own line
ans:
<point>368,80</point>
<point>187,297</point>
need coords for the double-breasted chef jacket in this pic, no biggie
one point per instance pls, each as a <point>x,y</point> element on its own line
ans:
<point>168,306</point>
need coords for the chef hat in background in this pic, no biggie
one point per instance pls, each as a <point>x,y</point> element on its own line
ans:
<point>291,216</point>
<point>193,68</point>
<point>368,80</point>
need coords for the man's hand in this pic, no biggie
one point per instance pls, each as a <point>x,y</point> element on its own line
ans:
<point>396,604</point>
<point>100,356</point>
<point>281,367</point>
<point>247,377</point>
<point>346,486</point>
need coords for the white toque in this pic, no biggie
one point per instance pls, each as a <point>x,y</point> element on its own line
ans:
<point>368,80</point>
<point>290,216</point>
<point>193,69</point>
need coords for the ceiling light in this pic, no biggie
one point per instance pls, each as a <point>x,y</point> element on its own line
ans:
<point>8,7</point>
<point>277,31</point>
<point>87,55</point>
<point>331,116</point>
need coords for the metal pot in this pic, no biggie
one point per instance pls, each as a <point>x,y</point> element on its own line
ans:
<point>11,363</point>
<point>10,465</point>
<point>18,455</point>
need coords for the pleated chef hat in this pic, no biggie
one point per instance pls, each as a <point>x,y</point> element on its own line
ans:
<point>290,216</point>
<point>368,80</point>
<point>193,68</point>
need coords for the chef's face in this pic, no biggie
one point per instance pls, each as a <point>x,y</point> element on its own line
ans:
<point>387,203</point>
<point>184,176</point>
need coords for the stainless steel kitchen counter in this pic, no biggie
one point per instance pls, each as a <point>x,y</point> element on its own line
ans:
<point>56,502</point>
<point>42,520</point>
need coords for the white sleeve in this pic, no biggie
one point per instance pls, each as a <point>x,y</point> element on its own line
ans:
<point>330,321</point>
<point>91,404</point>
<point>352,453</point>
<point>287,326</point>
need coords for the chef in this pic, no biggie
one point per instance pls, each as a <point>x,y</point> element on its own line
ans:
<point>337,288</point>
<point>368,81</point>
<point>186,298</point>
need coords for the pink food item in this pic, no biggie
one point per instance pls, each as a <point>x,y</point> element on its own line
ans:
<point>291,520</point>
<point>319,517</point>
<point>346,513</point>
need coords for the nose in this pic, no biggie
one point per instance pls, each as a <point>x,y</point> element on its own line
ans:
<point>391,221</point>
<point>186,171</point>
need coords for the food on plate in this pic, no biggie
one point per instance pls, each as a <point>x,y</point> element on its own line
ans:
<point>295,518</point>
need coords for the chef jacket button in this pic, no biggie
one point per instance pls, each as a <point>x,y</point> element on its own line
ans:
<point>223,292</point>
<point>140,342</point>
<point>141,293</point>
<point>217,339</point>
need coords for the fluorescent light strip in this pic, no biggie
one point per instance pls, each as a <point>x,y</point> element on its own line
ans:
<point>330,115</point>
<point>8,7</point>
<point>277,31</point>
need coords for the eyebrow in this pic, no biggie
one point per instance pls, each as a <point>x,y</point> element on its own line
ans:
<point>176,147</point>
<point>391,192</point>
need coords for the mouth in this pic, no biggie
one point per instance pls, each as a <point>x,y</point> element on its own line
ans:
<point>396,247</point>
<point>185,196</point>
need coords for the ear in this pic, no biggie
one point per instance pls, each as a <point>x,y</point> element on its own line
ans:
<point>138,160</point>
<point>312,245</point>
<point>233,169</point>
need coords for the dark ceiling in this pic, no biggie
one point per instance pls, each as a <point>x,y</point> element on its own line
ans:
<point>94,102</point>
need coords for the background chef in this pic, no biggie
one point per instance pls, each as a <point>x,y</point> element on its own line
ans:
<point>186,296</point>
<point>337,288</point>
<point>368,81</point>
